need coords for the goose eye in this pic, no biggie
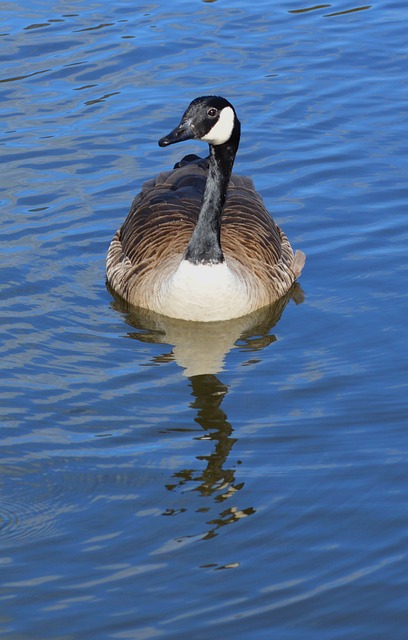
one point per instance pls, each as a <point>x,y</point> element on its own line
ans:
<point>212,112</point>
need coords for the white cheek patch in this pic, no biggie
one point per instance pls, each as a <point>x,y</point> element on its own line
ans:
<point>221,131</point>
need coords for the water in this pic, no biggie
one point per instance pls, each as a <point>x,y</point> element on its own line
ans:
<point>160,480</point>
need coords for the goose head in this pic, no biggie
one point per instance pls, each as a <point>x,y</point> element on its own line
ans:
<point>211,119</point>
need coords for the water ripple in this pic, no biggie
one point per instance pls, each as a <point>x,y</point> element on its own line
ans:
<point>257,473</point>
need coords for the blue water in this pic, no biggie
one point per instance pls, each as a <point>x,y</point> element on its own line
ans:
<point>169,480</point>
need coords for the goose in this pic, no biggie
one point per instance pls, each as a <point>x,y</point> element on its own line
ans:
<point>198,243</point>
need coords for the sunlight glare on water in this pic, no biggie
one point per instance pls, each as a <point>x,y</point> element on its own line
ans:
<point>166,479</point>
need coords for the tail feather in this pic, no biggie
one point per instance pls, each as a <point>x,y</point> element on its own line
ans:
<point>298,263</point>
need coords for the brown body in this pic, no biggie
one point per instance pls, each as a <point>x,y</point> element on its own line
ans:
<point>150,245</point>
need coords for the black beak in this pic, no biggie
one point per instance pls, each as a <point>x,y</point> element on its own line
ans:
<point>184,131</point>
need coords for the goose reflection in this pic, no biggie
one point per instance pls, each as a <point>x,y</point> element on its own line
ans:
<point>217,479</point>
<point>200,349</point>
<point>208,394</point>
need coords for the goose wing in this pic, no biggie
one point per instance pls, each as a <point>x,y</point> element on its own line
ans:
<point>163,215</point>
<point>162,218</point>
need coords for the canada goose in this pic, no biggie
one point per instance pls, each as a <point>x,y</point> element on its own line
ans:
<point>198,243</point>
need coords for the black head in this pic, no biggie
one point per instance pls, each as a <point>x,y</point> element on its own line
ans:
<point>210,118</point>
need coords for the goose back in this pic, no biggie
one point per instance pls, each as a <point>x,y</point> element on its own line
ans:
<point>149,246</point>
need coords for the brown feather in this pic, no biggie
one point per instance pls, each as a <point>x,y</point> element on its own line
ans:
<point>152,241</point>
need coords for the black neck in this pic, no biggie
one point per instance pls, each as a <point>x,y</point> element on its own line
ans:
<point>205,246</point>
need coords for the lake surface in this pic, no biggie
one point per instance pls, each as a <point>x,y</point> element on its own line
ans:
<point>243,480</point>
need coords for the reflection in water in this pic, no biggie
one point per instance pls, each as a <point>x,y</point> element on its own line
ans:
<point>200,348</point>
<point>307,9</point>
<point>209,393</point>
<point>319,7</point>
<point>216,478</point>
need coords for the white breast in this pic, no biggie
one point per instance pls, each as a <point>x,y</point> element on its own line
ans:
<point>204,293</point>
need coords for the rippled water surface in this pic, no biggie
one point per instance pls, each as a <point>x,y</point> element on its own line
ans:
<point>162,479</point>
